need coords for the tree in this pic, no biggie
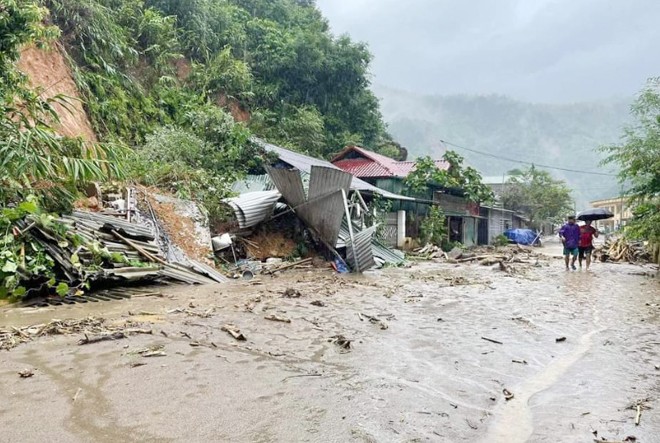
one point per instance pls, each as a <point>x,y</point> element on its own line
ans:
<point>639,159</point>
<point>457,178</point>
<point>33,158</point>
<point>537,195</point>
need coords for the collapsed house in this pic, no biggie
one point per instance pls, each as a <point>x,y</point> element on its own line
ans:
<point>116,241</point>
<point>330,202</point>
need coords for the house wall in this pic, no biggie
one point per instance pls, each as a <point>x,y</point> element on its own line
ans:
<point>498,222</point>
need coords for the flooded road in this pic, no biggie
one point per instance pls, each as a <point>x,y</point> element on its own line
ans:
<point>432,350</point>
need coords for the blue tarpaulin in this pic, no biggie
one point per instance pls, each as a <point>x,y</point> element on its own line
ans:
<point>521,236</point>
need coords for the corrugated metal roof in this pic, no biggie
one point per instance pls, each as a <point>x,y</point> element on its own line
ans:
<point>305,163</point>
<point>253,183</point>
<point>364,163</point>
<point>253,208</point>
<point>360,254</point>
<point>380,251</point>
<point>290,183</point>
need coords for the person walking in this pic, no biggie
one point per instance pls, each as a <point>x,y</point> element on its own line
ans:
<point>586,244</point>
<point>570,238</point>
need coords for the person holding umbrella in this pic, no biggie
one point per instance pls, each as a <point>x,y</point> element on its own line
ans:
<point>570,238</point>
<point>587,232</point>
<point>586,244</point>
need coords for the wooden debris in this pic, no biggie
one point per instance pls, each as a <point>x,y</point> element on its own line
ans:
<point>318,303</point>
<point>560,339</point>
<point>492,341</point>
<point>12,337</point>
<point>291,293</point>
<point>112,336</point>
<point>522,362</point>
<point>508,395</point>
<point>638,417</point>
<point>341,341</point>
<point>234,332</point>
<point>620,249</point>
<point>152,351</point>
<point>273,317</point>
<point>26,373</point>
<point>75,397</point>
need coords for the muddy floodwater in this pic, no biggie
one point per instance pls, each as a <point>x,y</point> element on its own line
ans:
<point>426,353</point>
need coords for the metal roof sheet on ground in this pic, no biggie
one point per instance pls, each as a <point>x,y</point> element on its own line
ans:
<point>254,207</point>
<point>360,254</point>
<point>305,163</point>
<point>380,251</point>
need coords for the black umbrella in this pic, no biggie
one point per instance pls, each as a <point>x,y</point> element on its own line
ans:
<point>594,214</point>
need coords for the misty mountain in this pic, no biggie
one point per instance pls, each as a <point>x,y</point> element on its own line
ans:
<point>562,135</point>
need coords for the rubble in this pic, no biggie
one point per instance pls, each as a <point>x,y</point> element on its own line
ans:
<point>620,249</point>
<point>12,337</point>
<point>117,244</point>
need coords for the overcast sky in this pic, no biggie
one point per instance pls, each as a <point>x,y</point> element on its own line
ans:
<point>536,50</point>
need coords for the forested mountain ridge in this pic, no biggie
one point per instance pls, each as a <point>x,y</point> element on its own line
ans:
<point>564,135</point>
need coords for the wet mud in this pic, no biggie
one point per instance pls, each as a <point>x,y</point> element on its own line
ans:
<point>432,349</point>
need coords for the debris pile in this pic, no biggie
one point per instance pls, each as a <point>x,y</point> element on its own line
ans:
<point>117,244</point>
<point>484,255</point>
<point>12,337</point>
<point>620,249</point>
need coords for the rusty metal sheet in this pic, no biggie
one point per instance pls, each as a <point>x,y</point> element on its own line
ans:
<point>289,183</point>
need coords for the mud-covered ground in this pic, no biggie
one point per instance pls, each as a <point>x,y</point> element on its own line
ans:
<point>421,370</point>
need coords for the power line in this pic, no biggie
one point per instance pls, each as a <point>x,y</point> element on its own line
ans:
<point>527,163</point>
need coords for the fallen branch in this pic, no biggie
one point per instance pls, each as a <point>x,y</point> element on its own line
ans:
<point>302,375</point>
<point>274,317</point>
<point>114,336</point>
<point>492,341</point>
<point>638,417</point>
<point>234,332</point>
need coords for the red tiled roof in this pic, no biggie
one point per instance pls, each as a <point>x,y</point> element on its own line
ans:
<point>372,165</point>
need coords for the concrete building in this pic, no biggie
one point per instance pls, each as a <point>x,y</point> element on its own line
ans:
<point>619,207</point>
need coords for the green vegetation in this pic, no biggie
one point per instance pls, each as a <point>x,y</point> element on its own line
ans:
<point>33,159</point>
<point>458,178</point>
<point>500,240</point>
<point>142,64</point>
<point>434,227</point>
<point>537,195</point>
<point>639,159</point>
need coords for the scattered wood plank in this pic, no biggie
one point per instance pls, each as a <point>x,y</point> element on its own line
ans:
<point>273,317</point>
<point>234,332</point>
<point>492,341</point>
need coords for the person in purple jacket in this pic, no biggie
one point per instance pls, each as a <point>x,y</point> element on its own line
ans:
<point>570,238</point>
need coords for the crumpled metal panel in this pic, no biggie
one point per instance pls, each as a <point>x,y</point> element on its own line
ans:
<point>359,254</point>
<point>289,183</point>
<point>324,214</point>
<point>324,180</point>
<point>381,252</point>
<point>324,209</point>
<point>305,163</point>
<point>253,208</point>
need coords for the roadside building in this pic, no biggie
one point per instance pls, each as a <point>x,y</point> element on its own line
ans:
<point>618,206</point>
<point>463,217</point>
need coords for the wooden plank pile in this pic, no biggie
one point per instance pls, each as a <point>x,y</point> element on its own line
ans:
<point>618,249</point>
